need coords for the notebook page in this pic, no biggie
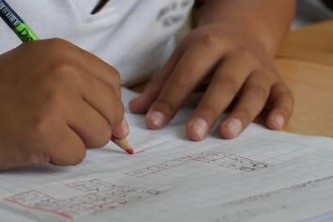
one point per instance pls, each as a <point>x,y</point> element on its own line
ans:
<point>262,175</point>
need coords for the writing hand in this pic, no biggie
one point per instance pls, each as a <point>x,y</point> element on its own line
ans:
<point>56,100</point>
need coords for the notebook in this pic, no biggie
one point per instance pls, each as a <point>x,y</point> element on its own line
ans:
<point>263,175</point>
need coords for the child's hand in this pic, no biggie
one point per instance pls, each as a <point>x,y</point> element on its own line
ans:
<point>238,68</point>
<point>56,100</point>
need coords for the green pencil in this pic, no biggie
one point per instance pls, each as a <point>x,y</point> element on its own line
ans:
<point>14,21</point>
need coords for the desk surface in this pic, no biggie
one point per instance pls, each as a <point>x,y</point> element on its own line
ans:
<point>308,71</point>
<point>312,86</point>
<point>313,44</point>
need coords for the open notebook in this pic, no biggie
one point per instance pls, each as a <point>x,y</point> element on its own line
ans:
<point>261,176</point>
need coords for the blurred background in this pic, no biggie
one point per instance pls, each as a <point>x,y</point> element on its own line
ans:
<point>311,11</point>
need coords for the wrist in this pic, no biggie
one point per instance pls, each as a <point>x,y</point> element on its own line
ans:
<point>250,18</point>
<point>255,31</point>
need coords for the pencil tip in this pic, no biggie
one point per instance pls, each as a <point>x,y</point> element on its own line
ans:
<point>130,151</point>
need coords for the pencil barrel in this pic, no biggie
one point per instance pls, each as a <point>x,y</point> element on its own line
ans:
<point>14,21</point>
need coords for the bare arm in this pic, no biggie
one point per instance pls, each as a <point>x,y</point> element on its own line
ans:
<point>267,20</point>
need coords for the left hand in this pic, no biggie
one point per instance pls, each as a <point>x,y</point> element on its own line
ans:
<point>239,68</point>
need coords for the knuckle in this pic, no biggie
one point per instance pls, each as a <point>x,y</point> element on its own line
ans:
<point>211,40</point>
<point>228,84</point>
<point>62,67</point>
<point>56,47</point>
<point>42,127</point>
<point>259,92</point>
<point>64,71</point>
<point>243,53</point>
<point>58,44</point>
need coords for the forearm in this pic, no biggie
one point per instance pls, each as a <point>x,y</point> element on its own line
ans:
<point>266,20</point>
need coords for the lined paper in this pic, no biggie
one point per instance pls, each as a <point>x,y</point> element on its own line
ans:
<point>261,176</point>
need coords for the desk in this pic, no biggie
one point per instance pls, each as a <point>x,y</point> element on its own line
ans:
<point>312,86</point>
<point>307,68</point>
<point>313,43</point>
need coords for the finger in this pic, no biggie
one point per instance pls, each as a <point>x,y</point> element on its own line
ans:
<point>52,141</point>
<point>68,148</point>
<point>94,84</point>
<point>72,54</point>
<point>227,81</point>
<point>100,69</point>
<point>152,90</point>
<point>108,104</point>
<point>194,65</point>
<point>83,86</point>
<point>89,125</point>
<point>103,99</point>
<point>107,74</point>
<point>252,101</point>
<point>110,76</point>
<point>282,104</point>
<point>14,158</point>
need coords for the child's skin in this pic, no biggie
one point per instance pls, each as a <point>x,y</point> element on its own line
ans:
<point>234,43</point>
<point>57,100</point>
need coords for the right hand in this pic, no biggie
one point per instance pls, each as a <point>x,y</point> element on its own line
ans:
<point>56,100</point>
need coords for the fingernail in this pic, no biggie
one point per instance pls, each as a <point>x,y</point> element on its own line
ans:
<point>278,121</point>
<point>200,128</point>
<point>234,127</point>
<point>156,118</point>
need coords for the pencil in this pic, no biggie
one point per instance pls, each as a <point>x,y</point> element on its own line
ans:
<point>25,33</point>
<point>123,144</point>
<point>14,21</point>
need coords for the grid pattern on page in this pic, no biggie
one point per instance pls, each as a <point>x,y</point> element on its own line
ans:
<point>260,175</point>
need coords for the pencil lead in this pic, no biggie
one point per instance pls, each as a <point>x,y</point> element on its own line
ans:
<point>130,151</point>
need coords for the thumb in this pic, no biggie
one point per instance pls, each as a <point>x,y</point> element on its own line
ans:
<point>120,130</point>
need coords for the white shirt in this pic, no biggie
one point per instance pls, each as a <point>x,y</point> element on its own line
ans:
<point>134,36</point>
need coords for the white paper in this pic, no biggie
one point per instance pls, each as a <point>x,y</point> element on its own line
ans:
<point>261,176</point>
